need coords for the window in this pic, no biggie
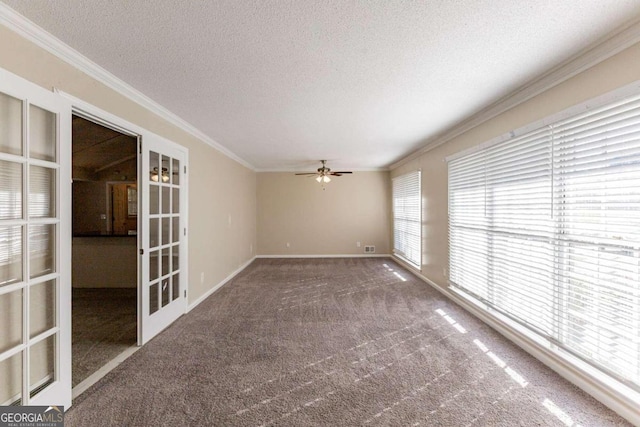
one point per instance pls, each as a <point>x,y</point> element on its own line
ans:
<point>545,228</point>
<point>407,217</point>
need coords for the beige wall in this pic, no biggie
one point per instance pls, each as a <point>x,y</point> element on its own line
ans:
<point>295,209</point>
<point>621,69</point>
<point>219,189</point>
<point>219,186</point>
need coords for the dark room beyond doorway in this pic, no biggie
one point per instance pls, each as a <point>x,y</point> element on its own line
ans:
<point>104,248</point>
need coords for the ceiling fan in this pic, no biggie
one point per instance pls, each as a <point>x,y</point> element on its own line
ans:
<point>324,173</point>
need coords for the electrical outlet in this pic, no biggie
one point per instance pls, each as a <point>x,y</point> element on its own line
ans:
<point>358,244</point>
<point>202,278</point>
<point>288,245</point>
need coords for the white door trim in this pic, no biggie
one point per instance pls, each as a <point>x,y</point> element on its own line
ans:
<point>100,116</point>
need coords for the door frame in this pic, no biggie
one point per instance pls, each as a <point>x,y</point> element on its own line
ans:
<point>97,115</point>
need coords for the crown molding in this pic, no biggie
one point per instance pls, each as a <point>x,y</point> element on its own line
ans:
<point>35,34</point>
<point>601,50</point>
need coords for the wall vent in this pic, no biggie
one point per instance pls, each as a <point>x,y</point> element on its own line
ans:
<point>369,249</point>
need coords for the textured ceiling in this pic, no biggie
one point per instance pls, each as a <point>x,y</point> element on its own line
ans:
<point>283,84</point>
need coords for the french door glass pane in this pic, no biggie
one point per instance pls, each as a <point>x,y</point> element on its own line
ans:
<point>11,380</point>
<point>176,201</point>
<point>176,257</point>
<point>175,229</point>
<point>42,300</point>
<point>153,233</point>
<point>176,172</point>
<point>165,230</point>
<point>41,249</point>
<point>154,167</point>
<point>10,321</point>
<point>154,199</point>
<point>41,364</point>
<point>166,170</point>
<point>166,267</point>
<point>10,255</point>
<point>42,134</point>
<point>10,190</point>
<point>153,265</point>
<point>166,200</point>
<point>153,298</point>
<point>42,184</point>
<point>10,125</point>
<point>165,292</point>
<point>175,283</point>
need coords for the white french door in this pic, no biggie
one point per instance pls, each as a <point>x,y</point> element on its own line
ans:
<point>163,239</point>
<point>35,237</point>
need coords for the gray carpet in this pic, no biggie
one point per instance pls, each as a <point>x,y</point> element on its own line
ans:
<point>332,342</point>
<point>104,324</point>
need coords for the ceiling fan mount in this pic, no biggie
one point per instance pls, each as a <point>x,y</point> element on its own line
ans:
<point>324,173</point>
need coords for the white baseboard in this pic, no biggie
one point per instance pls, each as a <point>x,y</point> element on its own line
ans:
<point>327,256</point>
<point>219,285</point>
<point>559,362</point>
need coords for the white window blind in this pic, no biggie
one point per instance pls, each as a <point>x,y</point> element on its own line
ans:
<point>545,228</point>
<point>407,217</point>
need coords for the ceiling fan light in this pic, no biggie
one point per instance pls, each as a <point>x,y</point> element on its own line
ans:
<point>155,175</point>
<point>322,176</point>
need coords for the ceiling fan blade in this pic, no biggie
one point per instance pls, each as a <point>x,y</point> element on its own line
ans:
<point>324,171</point>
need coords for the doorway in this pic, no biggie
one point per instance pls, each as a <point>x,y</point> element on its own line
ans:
<point>104,246</point>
